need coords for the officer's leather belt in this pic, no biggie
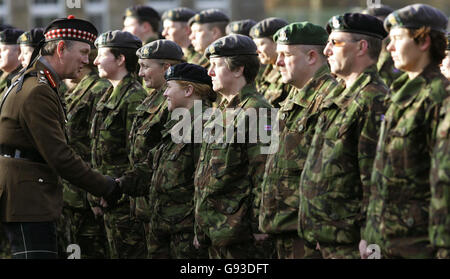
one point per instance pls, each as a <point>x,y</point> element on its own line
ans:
<point>16,153</point>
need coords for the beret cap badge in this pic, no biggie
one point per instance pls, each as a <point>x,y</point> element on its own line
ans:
<point>128,13</point>
<point>336,23</point>
<point>212,49</point>
<point>283,36</point>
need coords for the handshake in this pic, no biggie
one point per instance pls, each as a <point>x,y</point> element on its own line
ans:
<point>110,199</point>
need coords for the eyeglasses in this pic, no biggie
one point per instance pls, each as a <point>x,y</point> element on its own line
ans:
<point>339,43</point>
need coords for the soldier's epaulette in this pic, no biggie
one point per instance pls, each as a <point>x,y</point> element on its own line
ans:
<point>44,76</point>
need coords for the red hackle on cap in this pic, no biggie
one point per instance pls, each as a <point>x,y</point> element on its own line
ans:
<point>71,17</point>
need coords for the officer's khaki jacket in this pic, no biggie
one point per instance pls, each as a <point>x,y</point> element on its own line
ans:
<point>33,118</point>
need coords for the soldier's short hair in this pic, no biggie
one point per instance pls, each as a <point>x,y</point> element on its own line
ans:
<point>374,44</point>
<point>250,63</point>
<point>50,47</point>
<point>438,41</point>
<point>131,60</point>
<point>220,25</point>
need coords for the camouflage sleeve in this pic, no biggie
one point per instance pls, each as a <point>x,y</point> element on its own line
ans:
<point>439,229</point>
<point>257,161</point>
<point>367,143</point>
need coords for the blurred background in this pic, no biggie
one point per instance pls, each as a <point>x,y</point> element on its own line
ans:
<point>107,14</point>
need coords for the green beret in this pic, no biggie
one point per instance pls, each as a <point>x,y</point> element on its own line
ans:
<point>208,16</point>
<point>416,16</point>
<point>142,12</point>
<point>357,23</point>
<point>32,37</point>
<point>10,36</point>
<point>160,49</point>
<point>119,39</point>
<point>301,33</point>
<point>231,45</point>
<point>267,27</point>
<point>178,14</point>
<point>240,27</point>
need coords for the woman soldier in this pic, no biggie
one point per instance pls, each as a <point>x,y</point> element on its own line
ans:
<point>111,125</point>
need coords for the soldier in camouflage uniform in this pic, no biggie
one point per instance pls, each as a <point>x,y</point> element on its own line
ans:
<point>439,231</point>
<point>269,84</point>
<point>111,126</point>
<point>206,27</point>
<point>337,169</point>
<point>385,65</point>
<point>445,66</point>
<point>177,29</point>
<point>229,172</point>
<point>143,22</point>
<point>302,64</point>
<point>78,222</point>
<point>154,59</point>
<point>173,165</point>
<point>28,41</point>
<point>405,218</point>
<point>9,53</point>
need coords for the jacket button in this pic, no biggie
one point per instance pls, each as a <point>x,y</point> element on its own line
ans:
<point>41,180</point>
<point>300,128</point>
<point>229,210</point>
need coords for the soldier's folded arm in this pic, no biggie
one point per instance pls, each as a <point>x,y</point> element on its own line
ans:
<point>40,117</point>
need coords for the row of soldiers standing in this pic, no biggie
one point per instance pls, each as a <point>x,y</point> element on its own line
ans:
<point>358,163</point>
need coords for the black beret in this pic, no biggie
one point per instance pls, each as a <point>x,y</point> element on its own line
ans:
<point>208,16</point>
<point>178,14</point>
<point>240,27</point>
<point>378,10</point>
<point>10,36</point>
<point>357,23</point>
<point>416,16</point>
<point>301,33</point>
<point>6,26</point>
<point>142,12</point>
<point>231,45</point>
<point>118,39</point>
<point>71,28</point>
<point>161,49</point>
<point>188,72</point>
<point>267,27</point>
<point>32,37</point>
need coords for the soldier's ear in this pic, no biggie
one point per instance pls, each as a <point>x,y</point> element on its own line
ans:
<point>60,48</point>
<point>189,90</point>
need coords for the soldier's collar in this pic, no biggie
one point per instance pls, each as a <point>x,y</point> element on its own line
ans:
<point>346,97</point>
<point>51,75</point>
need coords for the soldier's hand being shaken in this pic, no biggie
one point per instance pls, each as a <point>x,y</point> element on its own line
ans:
<point>110,200</point>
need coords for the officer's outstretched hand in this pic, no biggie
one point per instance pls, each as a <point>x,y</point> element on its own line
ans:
<point>110,200</point>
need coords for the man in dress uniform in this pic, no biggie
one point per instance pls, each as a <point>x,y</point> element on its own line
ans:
<point>34,153</point>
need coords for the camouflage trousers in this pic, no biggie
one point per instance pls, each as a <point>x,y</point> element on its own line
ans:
<point>126,235</point>
<point>289,246</point>
<point>408,248</point>
<point>81,227</point>
<point>340,251</point>
<point>244,250</point>
<point>174,246</point>
<point>5,250</point>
